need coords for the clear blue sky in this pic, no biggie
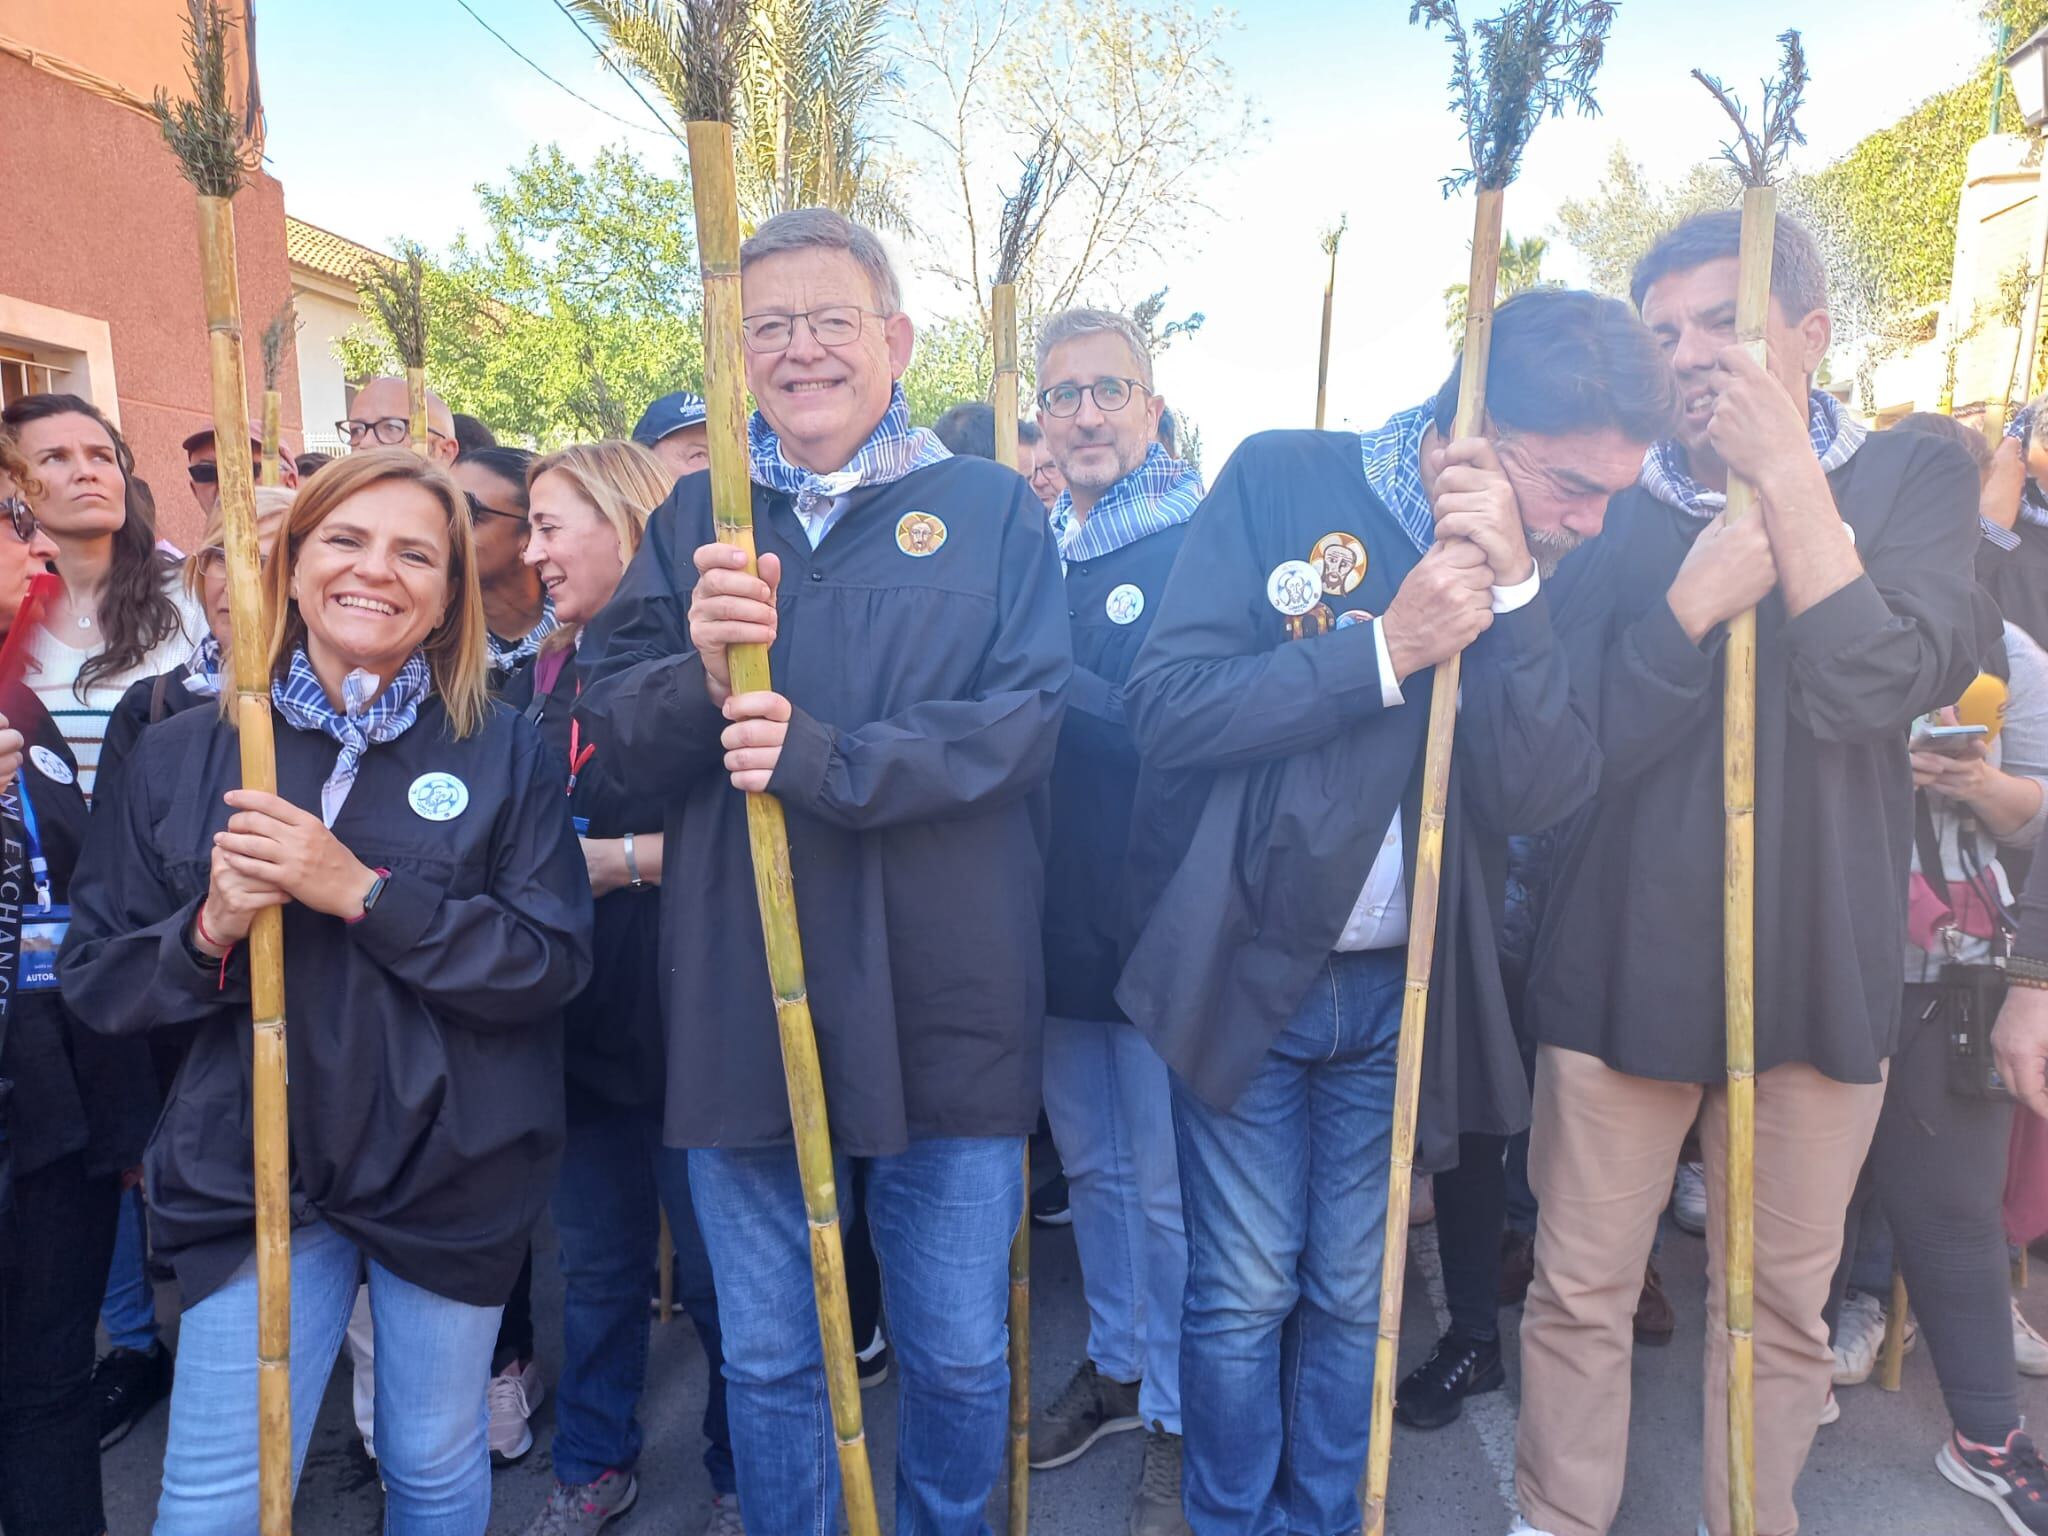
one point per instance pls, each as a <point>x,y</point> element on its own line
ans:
<point>384,116</point>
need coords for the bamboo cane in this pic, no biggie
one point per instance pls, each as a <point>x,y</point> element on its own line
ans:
<point>1331,240</point>
<point>1003,325</point>
<point>280,330</point>
<point>1422,904</point>
<point>715,196</point>
<point>203,135</point>
<point>397,295</point>
<point>1892,1358</point>
<point>273,417</point>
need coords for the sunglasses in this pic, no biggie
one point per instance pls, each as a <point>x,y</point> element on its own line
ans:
<point>480,509</point>
<point>206,472</point>
<point>19,518</point>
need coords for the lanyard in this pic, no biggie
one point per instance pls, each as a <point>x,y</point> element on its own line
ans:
<point>579,754</point>
<point>39,867</point>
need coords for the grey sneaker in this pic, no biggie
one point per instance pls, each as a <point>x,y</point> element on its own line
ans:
<point>1092,1406</point>
<point>581,1509</point>
<point>1158,1511</point>
<point>725,1517</point>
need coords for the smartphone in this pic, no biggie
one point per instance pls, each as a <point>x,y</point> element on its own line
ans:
<point>1948,740</point>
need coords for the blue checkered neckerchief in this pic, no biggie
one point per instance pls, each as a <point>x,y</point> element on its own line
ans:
<point>1667,477</point>
<point>202,672</point>
<point>2033,500</point>
<point>508,656</point>
<point>370,717</point>
<point>892,451</point>
<point>1393,468</point>
<point>1161,492</point>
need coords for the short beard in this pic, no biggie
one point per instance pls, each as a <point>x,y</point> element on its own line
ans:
<point>1548,549</point>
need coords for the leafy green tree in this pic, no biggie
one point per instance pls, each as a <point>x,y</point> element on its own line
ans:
<point>1615,227</point>
<point>577,305</point>
<point>1521,268</point>
<point>952,363</point>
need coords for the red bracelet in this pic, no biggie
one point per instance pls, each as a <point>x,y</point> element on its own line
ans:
<point>199,922</point>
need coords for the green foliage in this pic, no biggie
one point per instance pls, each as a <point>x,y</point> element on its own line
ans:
<point>1614,228</point>
<point>953,363</point>
<point>203,130</point>
<point>578,305</point>
<point>1521,268</point>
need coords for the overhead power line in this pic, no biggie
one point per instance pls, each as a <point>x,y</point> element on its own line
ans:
<point>576,22</point>
<point>551,80</point>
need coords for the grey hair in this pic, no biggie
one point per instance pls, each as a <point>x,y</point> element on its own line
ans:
<point>1071,324</point>
<point>820,229</point>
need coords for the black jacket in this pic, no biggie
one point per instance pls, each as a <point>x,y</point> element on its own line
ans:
<point>1628,963</point>
<point>927,694</point>
<point>424,1040</point>
<point>1095,779</point>
<point>612,1036</point>
<point>148,701</point>
<point>1273,769</point>
<point>74,1091</point>
<point>2017,579</point>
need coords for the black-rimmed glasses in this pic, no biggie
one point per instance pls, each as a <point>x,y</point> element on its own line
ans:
<point>19,518</point>
<point>479,509</point>
<point>836,325</point>
<point>388,431</point>
<point>1109,394</point>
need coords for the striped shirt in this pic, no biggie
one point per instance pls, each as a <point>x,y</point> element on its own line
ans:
<point>54,668</point>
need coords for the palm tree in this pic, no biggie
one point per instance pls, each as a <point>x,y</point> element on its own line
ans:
<point>812,78</point>
<point>1521,268</point>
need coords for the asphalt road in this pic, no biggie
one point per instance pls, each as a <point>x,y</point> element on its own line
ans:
<point>1870,1475</point>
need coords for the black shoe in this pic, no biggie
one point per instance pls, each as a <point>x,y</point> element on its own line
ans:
<point>1456,1369</point>
<point>126,1384</point>
<point>1049,1205</point>
<point>872,1364</point>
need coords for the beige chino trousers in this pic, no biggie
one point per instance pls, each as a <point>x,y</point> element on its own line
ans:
<point>1602,1154</point>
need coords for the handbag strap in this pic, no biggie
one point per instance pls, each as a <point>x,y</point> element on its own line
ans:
<point>1927,843</point>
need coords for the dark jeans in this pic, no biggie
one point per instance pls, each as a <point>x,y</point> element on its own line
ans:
<point>515,1325</point>
<point>1937,1169</point>
<point>863,1274</point>
<point>49,1308</point>
<point>614,1170</point>
<point>1486,1195</point>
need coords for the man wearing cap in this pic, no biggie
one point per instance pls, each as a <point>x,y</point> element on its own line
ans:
<point>201,465</point>
<point>673,428</point>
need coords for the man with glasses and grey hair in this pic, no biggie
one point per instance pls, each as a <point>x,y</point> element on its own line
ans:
<point>918,643</point>
<point>380,416</point>
<point>1120,520</point>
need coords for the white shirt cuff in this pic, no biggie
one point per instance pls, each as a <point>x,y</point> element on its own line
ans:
<point>1521,594</point>
<point>1390,685</point>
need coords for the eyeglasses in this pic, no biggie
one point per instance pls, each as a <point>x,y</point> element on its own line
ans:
<point>1109,394</point>
<point>1044,470</point>
<point>213,560</point>
<point>206,472</point>
<point>390,431</point>
<point>834,326</point>
<point>479,509</point>
<point>20,518</point>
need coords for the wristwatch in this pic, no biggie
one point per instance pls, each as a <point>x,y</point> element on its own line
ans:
<point>376,889</point>
<point>632,865</point>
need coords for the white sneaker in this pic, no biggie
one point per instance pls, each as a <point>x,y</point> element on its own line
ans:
<point>1859,1335</point>
<point>1524,1528</point>
<point>1689,1199</point>
<point>514,1394</point>
<point>1830,1411</point>
<point>2029,1349</point>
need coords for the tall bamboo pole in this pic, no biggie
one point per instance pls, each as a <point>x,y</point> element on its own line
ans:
<point>275,335</point>
<point>1003,325</point>
<point>203,134</point>
<point>1422,904</point>
<point>715,197</point>
<point>1331,240</point>
<point>397,293</point>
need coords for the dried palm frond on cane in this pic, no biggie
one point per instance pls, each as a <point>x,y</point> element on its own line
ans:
<point>1332,238</point>
<point>205,134</point>
<point>1534,59</point>
<point>1757,158</point>
<point>711,38</point>
<point>284,325</point>
<point>397,293</point>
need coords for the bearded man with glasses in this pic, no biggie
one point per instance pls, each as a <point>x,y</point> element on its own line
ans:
<point>918,644</point>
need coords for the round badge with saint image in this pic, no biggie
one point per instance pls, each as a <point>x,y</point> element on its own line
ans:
<point>919,534</point>
<point>438,796</point>
<point>1124,604</point>
<point>1340,561</point>
<point>1294,587</point>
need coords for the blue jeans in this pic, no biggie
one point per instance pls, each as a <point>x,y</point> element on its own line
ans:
<point>1286,1197</point>
<point>433,1365</point>
<point>1111,1109</point>
<point>129,1307</point>
<point>614,1169</point>
<point>942,1215</point>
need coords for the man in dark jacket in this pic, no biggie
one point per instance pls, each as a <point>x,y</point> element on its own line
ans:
<point>1125,511</point>
<point>1281,704</point>
<point>1859,564</point>
<point>918,643</point>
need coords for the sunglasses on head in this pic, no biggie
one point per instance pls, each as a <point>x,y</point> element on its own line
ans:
<point>206,472</point>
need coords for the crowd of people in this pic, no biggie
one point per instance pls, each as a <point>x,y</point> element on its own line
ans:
<point>1103,788</point>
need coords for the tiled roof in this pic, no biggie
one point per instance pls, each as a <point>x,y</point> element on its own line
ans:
<point>318,250</point>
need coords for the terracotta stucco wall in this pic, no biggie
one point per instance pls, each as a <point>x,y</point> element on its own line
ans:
<point>138,45</point>
<point>100,223</point>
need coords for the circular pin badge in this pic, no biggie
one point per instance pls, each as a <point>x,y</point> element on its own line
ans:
<point>1340,560</point>
<point>438,796</point>
<point>1351,616</point>
<point>919,534</point>
<point>1124,604</point>
<point>50,765</point>
<point>1294,587</point>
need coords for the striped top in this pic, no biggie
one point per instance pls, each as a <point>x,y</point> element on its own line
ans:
<point>54,668</point>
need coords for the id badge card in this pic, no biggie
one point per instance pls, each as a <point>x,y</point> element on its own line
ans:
<point>42,935</point>
<point>581,824</point>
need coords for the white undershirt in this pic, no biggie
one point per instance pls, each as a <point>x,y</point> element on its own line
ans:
<point>1379,918</point>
